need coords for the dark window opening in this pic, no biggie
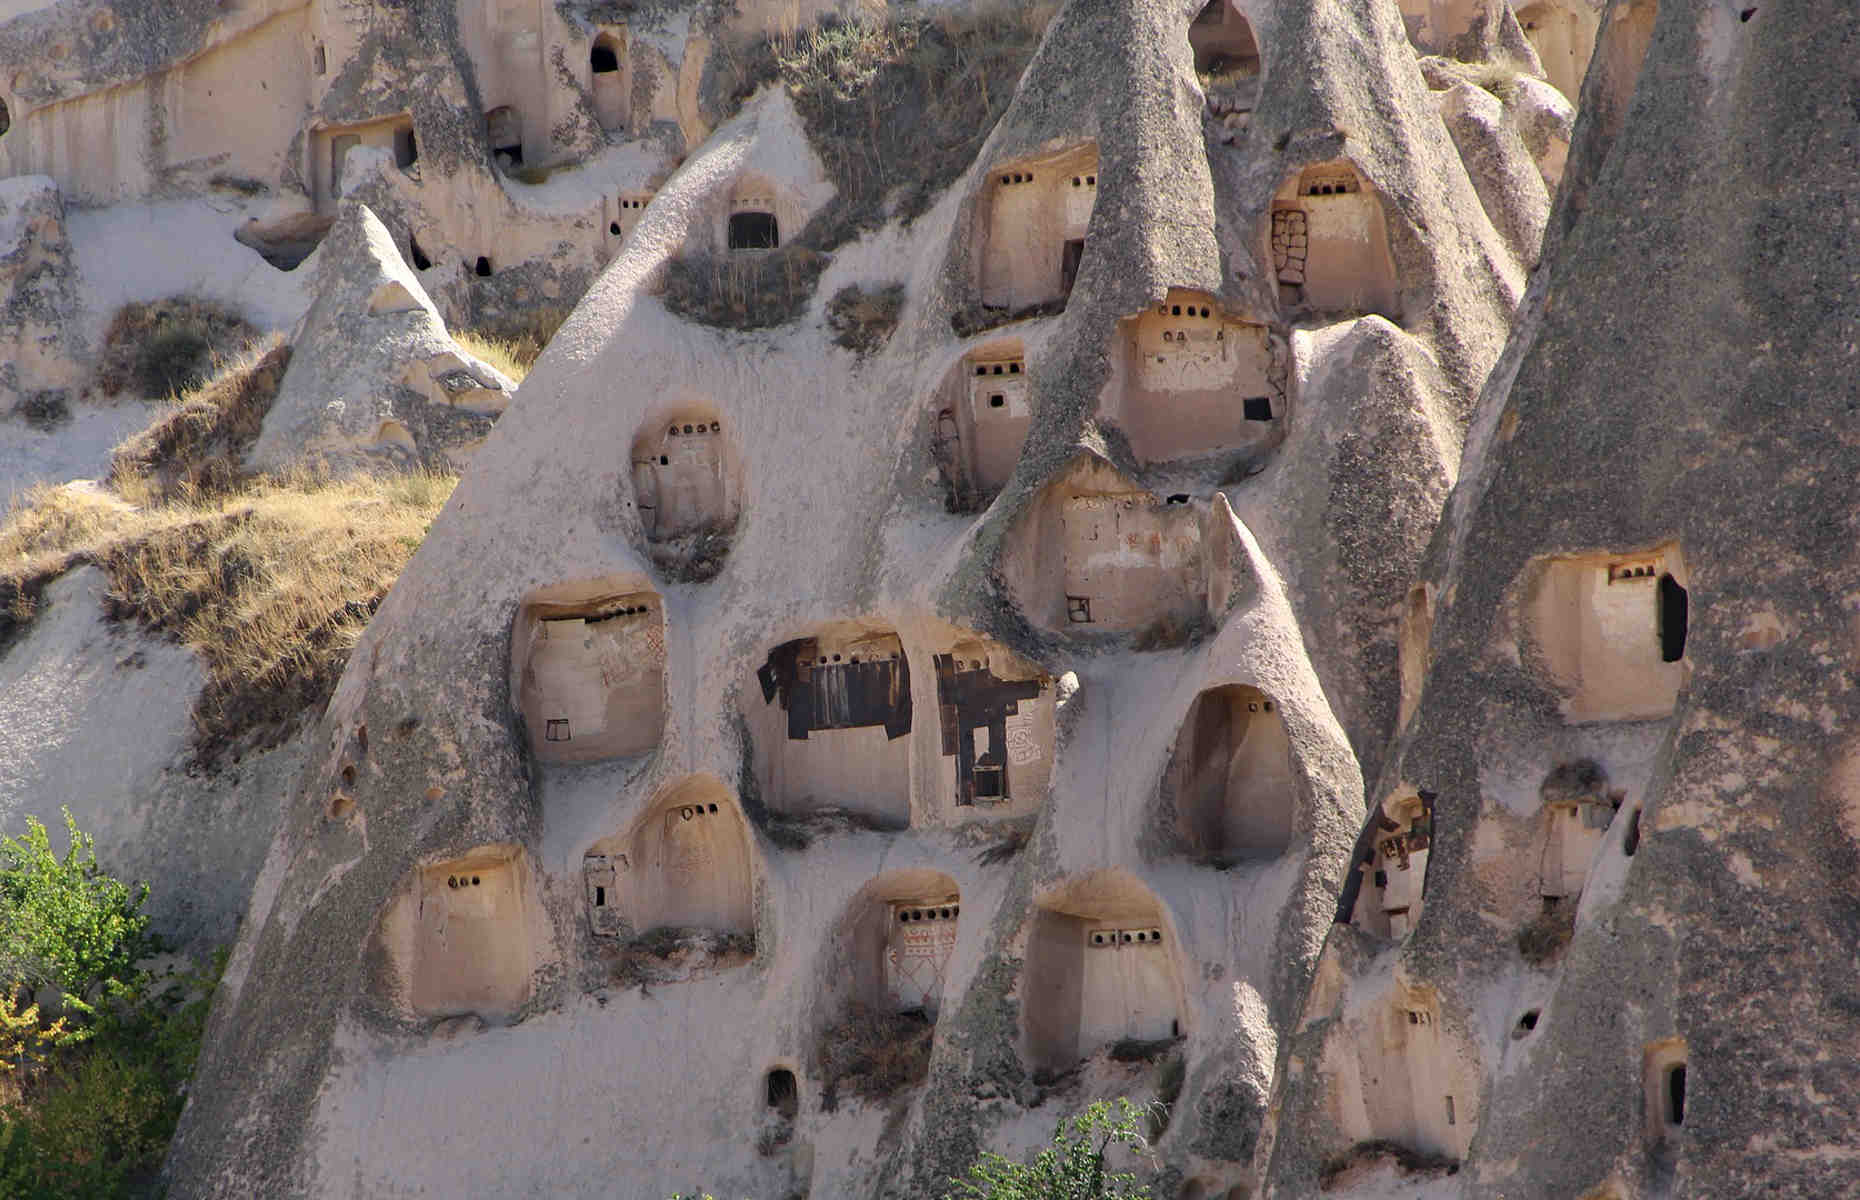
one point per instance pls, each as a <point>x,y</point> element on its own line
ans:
<point>600,896</point>
<point>420,261</point>
<point>1257,408</point>
<point>782,1092</point>
<point>1526,1024</point>
<point>1676,1094</point>
<point>1673,606</point>
<point>997,401</point>
<point>514,152</point>
<point>613,227</point>
<point>556,731</point>
<point>602,60</point>
<point>754,231</point>
<point>1069,265</point>
<point>1631,842</point>
<point>1746,15</point>
<point>406,149</point>
<point>483,267</point>
<point>319,59</point>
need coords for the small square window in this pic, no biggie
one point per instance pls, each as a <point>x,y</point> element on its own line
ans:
<point>1078,610</point>
<point>1257,408</point>
<point>556,730</point>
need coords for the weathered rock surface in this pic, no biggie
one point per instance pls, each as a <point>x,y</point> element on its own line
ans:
<point>97,717</point>
<point>1191,775</point>
<point>40,354</point>
<point>1627,781</point>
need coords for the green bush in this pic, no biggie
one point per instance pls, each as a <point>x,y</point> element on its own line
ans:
<point>1072,1168</point>
<point>63,922</point>
<point>90,1094</point>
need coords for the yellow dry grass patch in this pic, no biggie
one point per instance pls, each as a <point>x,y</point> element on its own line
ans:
<point>271,584</point>
<point>507,355</point>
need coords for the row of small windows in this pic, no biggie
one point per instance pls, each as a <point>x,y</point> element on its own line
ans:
<point>909,915</point>
<point>1175,310</point>
<point>1012,368</point>
<point>458,881</point>
<point>690,811</point>
<point>1085,181</point>
<point>1126,937</point>
<point>1335,186</point>
<point>1017,177</point>
<point>700,427</point>
<point>824,659</point>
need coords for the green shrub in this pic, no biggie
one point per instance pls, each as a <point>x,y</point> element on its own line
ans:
<point>89,1096</point>
<point>1073,1167</point>
<point>63,922</point>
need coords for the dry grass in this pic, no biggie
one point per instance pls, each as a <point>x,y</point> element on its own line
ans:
<point>269,580</point>
<point>194,449</point>
<point>873,1055</point>
<point>270,583</point>
<point>166,347</point>
<point>514,345</point>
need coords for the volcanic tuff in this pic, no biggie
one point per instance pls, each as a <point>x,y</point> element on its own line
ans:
<point>1270,557</point>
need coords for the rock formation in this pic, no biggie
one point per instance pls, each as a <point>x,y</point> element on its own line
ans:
<point>374,377</point>
<point>1304,580</point>
<point>1002,721</point>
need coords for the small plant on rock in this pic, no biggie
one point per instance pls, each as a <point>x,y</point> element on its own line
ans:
<point>1072,1167</point>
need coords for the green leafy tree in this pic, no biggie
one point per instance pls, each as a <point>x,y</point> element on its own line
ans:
<point>1072,1168</point>
<point>63,922</point>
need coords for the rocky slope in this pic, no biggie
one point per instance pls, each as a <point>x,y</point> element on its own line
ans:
<point>916,654</point>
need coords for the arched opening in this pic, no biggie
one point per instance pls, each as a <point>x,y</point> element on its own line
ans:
<point>885,978</point>
<point>482,268</point>
<point>1034,215</point>
<point>1100,972</point>
<point>781,1094</point>
<point>754,231</point>
<point>684,865</point>
<point>1231,776</point>
<point>503,129</point>
<point>1610,631</point>
<point>997,718</point>
<point>1393,862</point>
<point>406,148</point>
<point>1663,1071</point>
<point>831,731</point>
<point>418,255</point>
<point>1578,808</point>
<point>590,672</point>
<point>687,481</point>
<point>980,419</point>
<point>1401,1075</point>
<point>1330,245</point>
<point>464,934</point>
<point>1223,41</point>
<point>1097,553</point>
<point>319,59</point>
<point>1192,381</point>
<point>607,77</point>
